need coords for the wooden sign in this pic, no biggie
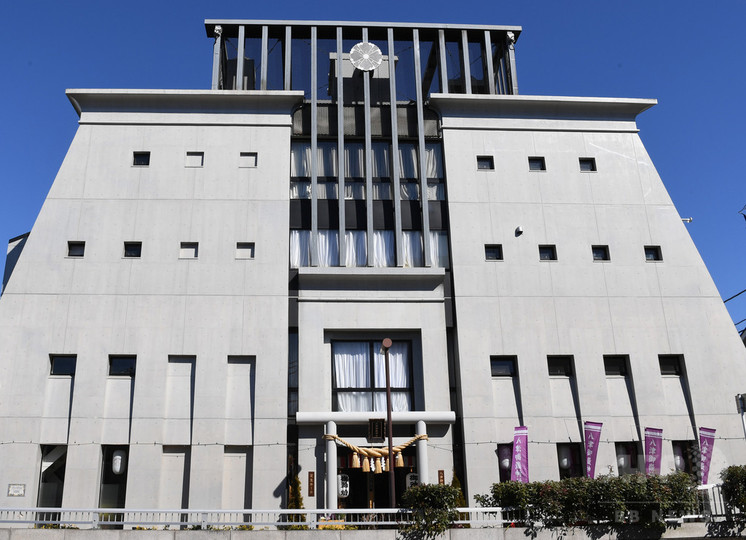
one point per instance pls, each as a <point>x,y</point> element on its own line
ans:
<point>441,477</point>
<point>311,483</point>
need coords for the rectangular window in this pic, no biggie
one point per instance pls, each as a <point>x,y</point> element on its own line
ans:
<point>537,163</point>
<point>503,366</point>
<point>247,159</point>
<point>132,250</point>
<point>615,365</point>
<point>195,159</point>
<point>627,457</point>
<point>485,163</point>
<point>493,252</point>
<point>189,250</point>
<point>75,249</point>
<point>588,164</point>
<point>244,250</point>
<point>560,365</point>
<point>548,252</point>
<point>140,159</point>
<point>653,253</point>
<point>62,364</point>
<point>122,365</point>
<point>671,364</point>
<point>359,376</point>
<point>600,253</point>
<point>569,460</point>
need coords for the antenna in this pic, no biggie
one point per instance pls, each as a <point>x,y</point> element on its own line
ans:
<point>366,56</point>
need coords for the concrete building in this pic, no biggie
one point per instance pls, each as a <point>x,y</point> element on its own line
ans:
<point>200,305</point>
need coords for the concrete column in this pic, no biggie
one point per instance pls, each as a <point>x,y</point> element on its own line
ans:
<point>331,467</point>
<point>422,454</point>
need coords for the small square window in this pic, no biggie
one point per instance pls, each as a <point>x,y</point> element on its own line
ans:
<point>548,252</point>
<point>62,364</point>
<point>122,365</point>
<point>132,250</point>
<point>670,364</point>
<point>244,250</point>
<point>537,163</point>
<point>560,366</point>
<point>587,164</point>
<point>493,252</point>
<point>189,250</point>
<point>600,253</point>
<point>75,249</point>
<point>140,159</point>
<point>653,253</point>
<point>502,366</point>
<point>485,163</point>
<point>615,365</point>
<point>247,159</point>
<point>195,159</point>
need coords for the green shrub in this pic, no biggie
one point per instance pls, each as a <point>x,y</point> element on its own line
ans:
<point>734,489</point>
<point>603,500</point>
<point>433,510</point>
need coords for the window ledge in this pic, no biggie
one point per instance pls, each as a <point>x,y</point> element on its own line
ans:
<point>360,284</point>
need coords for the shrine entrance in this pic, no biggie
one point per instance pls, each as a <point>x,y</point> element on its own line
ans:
<point>371,489</point>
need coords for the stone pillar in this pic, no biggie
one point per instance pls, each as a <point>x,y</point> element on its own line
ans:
<point>422,454</point>
<point>331,467</point>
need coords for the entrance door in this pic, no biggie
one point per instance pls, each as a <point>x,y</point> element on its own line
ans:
<point>371,490</point>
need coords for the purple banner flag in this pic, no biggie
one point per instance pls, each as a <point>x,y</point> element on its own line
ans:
<point>592,437</point>
<point>706,440</point>
<point>653,442</point>
<point>519,469</point>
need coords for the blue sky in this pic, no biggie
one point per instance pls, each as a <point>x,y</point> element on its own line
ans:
<point>688,55</point>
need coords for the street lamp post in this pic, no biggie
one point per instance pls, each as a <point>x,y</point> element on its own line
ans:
<point>389,425</point>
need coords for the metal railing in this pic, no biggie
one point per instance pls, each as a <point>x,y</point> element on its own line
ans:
<point>101,518</point>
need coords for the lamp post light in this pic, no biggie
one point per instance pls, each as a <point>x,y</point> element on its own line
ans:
<point>386,345</point>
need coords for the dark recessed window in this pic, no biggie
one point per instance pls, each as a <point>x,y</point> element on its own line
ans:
<point>75,249</point>
<point>493,252</point>
<point>189,250</point>
<point>670,364</point>
<point>244,250</point>
<point>122,365</point>
<point>62,364</point>
<point>600,253</point>
<point>485,163</point>
<point>587,164</point>
<point>560,366</point>
<point>615,365</point>
<point>548,252</point>
<point>195,159</point>
<point>502,366</point>
<point>247,159</point>
<point>132,250</point>
<point>537,163</point>
<point>653,253</point>
<point>141,159</point>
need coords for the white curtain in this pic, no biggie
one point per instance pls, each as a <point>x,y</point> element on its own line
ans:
<point>355,190</point>
<point>354,160</point>
<point>326,190</point>
<point>328,247</point>
<point>434,160</point>
<point>412,249</point>
<point>410,191</point>
<point>300,248</point>
<point>383,248</point>
<point>326,152</point>
<point>380,160</point>
<point>356,248</point>
<point>352,370</point>
<point>300,159</point>
<point>436,191</point>
<point>398,373</point>
<point>382,191</point>
<point>300,189</point>
<point>408,160</point>
<point>439,248</point>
